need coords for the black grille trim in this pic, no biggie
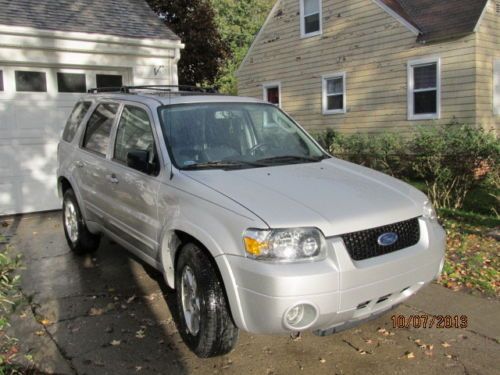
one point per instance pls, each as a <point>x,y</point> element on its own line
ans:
<point>363,244</point>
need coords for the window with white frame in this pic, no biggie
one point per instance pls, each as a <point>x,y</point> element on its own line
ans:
<point>334,94</point>
<point>310,17</point>
<point>424,89</point>
<point>496,87</point>
<point>272,93</point>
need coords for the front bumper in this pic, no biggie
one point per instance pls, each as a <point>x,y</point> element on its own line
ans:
<point>342,291</point>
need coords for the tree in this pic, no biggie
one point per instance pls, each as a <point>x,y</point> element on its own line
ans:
<point>238,22</point>
<point>193,21</point>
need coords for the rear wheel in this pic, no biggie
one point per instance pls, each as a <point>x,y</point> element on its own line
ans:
<point>79,239</point>
<point>205,322</point>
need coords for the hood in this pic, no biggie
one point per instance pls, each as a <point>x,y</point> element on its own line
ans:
<point>335,196</point>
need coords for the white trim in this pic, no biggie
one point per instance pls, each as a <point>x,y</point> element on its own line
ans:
<point>411,85</point>
<point>66,35</point>
<point>269,85</point>
<point>250,50</point>
<point>496,86</point>
<point>302,23</point>
<point>324,94</point>
<point>480,20</point>
<point>398,18</point>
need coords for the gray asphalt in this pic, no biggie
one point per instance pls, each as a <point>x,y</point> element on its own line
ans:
<point>110,314</point>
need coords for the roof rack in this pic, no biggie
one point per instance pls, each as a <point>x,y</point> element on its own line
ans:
<point>158,89</point>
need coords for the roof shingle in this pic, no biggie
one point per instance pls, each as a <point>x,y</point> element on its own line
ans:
<point>126,18</point>
<point>438,19</point>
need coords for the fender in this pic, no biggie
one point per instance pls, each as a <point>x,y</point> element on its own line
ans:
<point>76,189</point>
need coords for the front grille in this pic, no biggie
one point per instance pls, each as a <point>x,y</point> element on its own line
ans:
<point>364,244</point>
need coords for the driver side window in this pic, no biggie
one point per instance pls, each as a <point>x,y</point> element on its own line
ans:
<point>134,133</point>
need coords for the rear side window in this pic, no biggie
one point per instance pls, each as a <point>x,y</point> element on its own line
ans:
<point>74,120</point>
<point>99,127</point>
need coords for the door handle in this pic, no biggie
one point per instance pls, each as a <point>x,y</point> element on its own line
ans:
<point>79,164</point>
<point>112,178</point>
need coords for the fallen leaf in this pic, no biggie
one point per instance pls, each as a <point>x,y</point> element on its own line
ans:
<point>409,355</point>
<point>448,356</point>
<point>131,299</point>
<point>429,353</point>
<point>95,311</point>
<point>445,345</point>
<point>40,333</point>
<point>322,360</point>
<point>430,347</point>
<point>45,322</point>
<point>115,342</point>
<point>140,334</point>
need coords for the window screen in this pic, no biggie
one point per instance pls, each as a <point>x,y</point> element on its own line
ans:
<point>76,117</point>
<point>109,80</point>
<point>134,133</point>
<point>311,16</point>
<point>99,128</point>
<point>425,89</point>
<point>334,94</point>
<point>31,81</point>
<point>71,82</point>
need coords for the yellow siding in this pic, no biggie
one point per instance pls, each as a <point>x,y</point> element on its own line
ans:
<point>373,48</point>
<point>488,50</point>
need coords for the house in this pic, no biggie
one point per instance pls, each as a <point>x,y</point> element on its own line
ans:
<point>51,51</point>
<point>372,65</point>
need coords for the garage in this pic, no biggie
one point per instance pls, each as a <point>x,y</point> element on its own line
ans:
<point>48,62</point>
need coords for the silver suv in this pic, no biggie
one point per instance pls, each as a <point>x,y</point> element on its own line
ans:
<point>251,222</point>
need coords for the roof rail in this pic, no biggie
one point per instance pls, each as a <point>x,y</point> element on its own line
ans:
<point>170,89</point>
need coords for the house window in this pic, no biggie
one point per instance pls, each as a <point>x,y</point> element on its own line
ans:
<point>272,93</point>
<point>496,88</point>
<point>310,17</point>
<point>424,89</point>
<point>71,82</point>
<point>109,80</point>
<point>31,81</point>
<point>334,95</point>
<point>1,80</point>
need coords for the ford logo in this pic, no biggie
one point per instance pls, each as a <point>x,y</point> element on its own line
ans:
<point>387,239</point>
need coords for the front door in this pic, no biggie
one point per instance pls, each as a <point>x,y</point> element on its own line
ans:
<point>133,193</point>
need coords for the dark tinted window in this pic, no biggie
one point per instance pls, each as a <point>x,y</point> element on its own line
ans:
<point>74,120</point>
<point>311,23</point>
<point>425,76</point>
<point>71,82</point>
<point>1,80</point>
<point>109,80</point>
<point>134,133</point>
<point>31,81</point>
<point>425,102</point>
<point>99,128</point>
<point>425,89</point>
<point>273,95</point>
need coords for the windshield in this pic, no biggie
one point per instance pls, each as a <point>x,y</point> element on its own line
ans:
<point>234,135</point>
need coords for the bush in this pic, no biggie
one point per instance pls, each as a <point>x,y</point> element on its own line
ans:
<point>451,159</point>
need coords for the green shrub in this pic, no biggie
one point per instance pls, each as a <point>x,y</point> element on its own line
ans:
<point>452,160</point>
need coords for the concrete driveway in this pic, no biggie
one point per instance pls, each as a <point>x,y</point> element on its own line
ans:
<point>110,314</point>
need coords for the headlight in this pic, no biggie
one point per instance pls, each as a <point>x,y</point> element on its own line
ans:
<point>285,245</point>
<point>429,211</point>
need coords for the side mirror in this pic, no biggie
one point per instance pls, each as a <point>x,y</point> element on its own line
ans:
<point>139,160</point>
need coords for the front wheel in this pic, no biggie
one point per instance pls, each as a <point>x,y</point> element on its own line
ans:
<point>205,322</point>
<point>79,239</point>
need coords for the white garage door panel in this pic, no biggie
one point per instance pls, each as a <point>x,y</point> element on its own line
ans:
<point>30,128</point>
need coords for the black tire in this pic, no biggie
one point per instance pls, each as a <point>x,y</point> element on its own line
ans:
<point>84,242</point>
<point>217,334</point>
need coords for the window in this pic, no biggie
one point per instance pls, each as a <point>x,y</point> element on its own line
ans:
<point>109,80</point>
<point>71,82</point>
<point>496,87</point>
<point>310,17</point>
<point>31,81</point>
<point>99,128</point>
<point>1,80</point>
<point>134,133</point>
<point>334,96</point>
<point>76,117</point>
<point>424,88</point>
<point>272,93</point>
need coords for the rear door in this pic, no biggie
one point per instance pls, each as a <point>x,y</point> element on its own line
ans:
<point>91,164</point>
<point>132,193</point>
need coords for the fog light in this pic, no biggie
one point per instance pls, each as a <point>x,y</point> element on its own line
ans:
<point>300,316</point>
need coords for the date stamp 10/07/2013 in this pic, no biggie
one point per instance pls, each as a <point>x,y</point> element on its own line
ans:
<point>430,321</point>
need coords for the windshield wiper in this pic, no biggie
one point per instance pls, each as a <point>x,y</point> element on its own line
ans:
<point>291,158</point>
<point>222,164</point>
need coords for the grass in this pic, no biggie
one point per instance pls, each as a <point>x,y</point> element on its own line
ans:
<point>10,297</point>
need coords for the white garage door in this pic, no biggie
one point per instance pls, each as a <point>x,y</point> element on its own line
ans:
<point>34,105</point>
